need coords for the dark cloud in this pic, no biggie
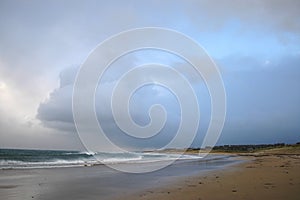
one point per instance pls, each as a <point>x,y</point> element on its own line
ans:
<point>262,102</point>
<point>38,39</point>
<point>56,111</point>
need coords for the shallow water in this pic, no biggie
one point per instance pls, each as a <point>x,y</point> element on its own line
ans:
<point>97,182</point>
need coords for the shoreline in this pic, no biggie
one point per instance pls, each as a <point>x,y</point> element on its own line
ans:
<point>264,175</point>
<point>96,182</point>
<point>272,174</point>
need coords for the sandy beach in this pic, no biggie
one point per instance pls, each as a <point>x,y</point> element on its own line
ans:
<point>272,174</point>
<point>149,100</point>
<point>265,175</point>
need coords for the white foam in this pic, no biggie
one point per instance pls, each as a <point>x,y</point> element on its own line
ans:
<point>98,158</point>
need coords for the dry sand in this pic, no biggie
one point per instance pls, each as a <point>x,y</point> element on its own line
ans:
<point>267,175</point>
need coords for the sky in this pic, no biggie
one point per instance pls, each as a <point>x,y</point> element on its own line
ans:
<point>255,44</point>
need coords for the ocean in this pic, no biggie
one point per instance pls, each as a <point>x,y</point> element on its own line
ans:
<point>47,175</point>
<point>17,158</point>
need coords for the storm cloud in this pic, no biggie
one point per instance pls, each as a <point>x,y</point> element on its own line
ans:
<point>254,43</point>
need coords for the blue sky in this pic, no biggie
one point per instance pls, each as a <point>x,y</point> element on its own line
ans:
<point>255,44</point>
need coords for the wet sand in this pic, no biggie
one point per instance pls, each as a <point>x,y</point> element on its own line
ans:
<point>264,176</point>
<point>97,182</point>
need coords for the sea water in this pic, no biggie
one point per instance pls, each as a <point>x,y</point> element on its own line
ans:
<point>17,158</point>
